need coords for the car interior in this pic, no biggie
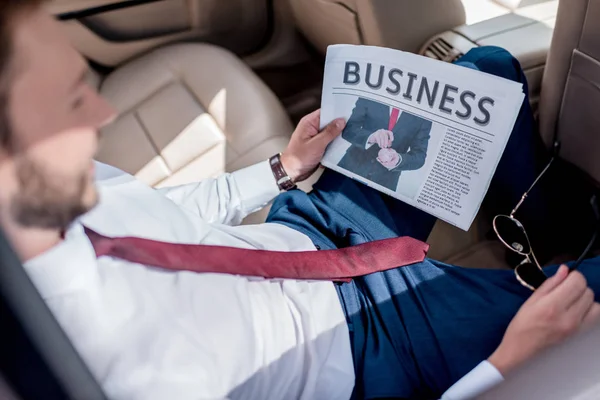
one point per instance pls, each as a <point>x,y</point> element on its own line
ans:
<point>219,86</point>
<point>210,86</point>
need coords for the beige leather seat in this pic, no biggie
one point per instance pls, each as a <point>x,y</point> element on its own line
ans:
<point>569,106</point>
<point>187,112</point>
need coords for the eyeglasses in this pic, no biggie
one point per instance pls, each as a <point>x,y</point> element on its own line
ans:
<point>513,235</point>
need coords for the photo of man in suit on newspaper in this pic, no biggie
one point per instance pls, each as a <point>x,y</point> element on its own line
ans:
<point>384,141</point>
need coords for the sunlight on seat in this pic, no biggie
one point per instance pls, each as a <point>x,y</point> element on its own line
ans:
<point>195,139</point>
<point>540,12</point>
<point>550,23</point>
<point>153,169</point>
<point>197,152</point>
<point>211,164</point>
<point>480,10</point>
<point>218,108</point>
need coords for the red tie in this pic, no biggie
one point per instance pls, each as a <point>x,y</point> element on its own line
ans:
<point>393,118</point>
<point>335,265</point>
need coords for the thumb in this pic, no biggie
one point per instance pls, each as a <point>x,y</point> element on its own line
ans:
<point>331,131</point>
<point>551,283</point>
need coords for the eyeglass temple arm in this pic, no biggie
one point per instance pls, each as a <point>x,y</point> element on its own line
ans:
<point>532,185</point>
<point>596,210</point>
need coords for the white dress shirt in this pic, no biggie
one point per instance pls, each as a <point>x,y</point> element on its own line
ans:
<point>151,334</point>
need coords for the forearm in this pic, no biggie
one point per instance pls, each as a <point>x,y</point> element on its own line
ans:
<point>410,161</point>
<point>229,198</point>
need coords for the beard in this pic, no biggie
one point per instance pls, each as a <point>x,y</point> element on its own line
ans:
<point>48,201</point>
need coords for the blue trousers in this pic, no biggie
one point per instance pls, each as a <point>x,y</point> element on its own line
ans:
<point>416,330</point>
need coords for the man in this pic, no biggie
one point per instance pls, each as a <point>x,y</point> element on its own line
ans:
<point>152,333</point>
<point>384,142</point>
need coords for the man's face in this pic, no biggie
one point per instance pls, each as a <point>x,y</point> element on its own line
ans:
<point>54,118</point>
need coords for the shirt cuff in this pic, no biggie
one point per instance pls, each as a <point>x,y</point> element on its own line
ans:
<point>256,185</point>
<point>399,162</point>
<point>481,378</point>
<point>367,144</point>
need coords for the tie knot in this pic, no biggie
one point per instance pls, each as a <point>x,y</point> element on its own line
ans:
<point>101,244</point>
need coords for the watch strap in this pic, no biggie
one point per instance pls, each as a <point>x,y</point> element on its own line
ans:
<point>284,182</point>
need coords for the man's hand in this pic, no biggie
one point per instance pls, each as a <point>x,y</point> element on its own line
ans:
<point>389,158</point>
<point>555,311</point>
<point>382,137</point>
<point>307,146</point>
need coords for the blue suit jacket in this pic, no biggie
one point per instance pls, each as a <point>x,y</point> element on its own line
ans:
<point>411,138</point>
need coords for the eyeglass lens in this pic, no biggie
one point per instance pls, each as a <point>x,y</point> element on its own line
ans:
<point>530,274</point>
<point>512,233</point>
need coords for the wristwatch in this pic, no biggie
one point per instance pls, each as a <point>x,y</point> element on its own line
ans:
<point>284,182</point>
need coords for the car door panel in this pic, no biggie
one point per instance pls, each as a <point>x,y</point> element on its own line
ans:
<point>140,22</point>
<point>110,32</point>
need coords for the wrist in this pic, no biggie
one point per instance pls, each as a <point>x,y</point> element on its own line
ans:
<point>291,166</point>
<point>505,361</point>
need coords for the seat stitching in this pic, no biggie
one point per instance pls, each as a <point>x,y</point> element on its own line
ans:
<point>152,94</point>
<point>180,76</point>
<point>192,160</point>
<point>176,74</point>
<point>149,137</point>
<point>181,79</point>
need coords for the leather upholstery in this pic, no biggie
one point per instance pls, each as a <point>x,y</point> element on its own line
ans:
<point>569,29</point>
<point>375,22</point>
<point>188,112</point>
<point>568,106</point>
<point>526,33</point>
<point>569,103</point>
<point>112,37</point>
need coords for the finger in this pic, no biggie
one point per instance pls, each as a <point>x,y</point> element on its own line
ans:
<point>551,283</point>
<point>379,139</point>
<point>570,290</point>
<point>390,137</point>
<point>582,306</point>
<point>331,131</point>
<point>592,317</point>
<point>312,120</point>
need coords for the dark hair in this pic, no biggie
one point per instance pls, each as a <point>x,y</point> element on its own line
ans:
<point>10,10</point>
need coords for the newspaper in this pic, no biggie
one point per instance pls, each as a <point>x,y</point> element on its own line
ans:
<point>426,132</point>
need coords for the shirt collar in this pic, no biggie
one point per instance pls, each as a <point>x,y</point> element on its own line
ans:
<point>66,267</point>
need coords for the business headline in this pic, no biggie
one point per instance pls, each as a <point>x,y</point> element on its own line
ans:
<point>410,86</point>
